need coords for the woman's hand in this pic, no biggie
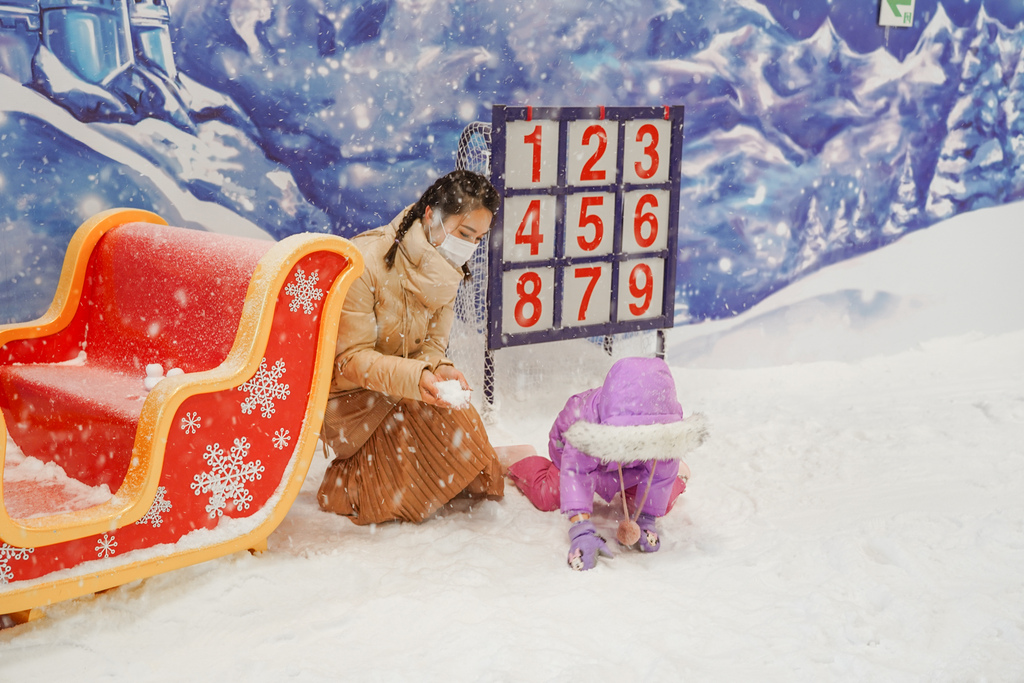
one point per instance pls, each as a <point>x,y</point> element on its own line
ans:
<point>449,372</point>
<point>428,388</point>
<point>429,380</point>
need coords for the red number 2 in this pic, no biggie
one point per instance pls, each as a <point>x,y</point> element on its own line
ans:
<point>588,172</point>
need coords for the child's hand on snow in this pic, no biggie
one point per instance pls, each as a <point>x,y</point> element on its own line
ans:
<point>585,545</point>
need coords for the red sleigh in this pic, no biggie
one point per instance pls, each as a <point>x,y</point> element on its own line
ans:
<point>179,378</point>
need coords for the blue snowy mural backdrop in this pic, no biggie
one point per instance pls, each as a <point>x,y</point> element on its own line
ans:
<point>812,134</point>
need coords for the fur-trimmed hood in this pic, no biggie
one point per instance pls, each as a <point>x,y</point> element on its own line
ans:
<point>637,391</point>
<point>632,443</point>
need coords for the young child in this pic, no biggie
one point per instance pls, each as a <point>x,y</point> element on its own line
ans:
<point>627,436</point>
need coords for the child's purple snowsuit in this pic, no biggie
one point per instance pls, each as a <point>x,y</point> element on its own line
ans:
<point>633,419</point>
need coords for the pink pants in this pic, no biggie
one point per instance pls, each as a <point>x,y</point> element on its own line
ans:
<point>537,478</point>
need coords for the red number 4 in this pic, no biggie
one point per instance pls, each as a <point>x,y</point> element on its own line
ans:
<point>529,229</point>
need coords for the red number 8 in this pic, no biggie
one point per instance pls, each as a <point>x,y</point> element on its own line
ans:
<point>528,298</point>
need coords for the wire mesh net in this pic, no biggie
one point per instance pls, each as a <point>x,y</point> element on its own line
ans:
<point>467,342</point>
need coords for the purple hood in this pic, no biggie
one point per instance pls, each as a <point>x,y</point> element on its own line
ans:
<point>637,391</point>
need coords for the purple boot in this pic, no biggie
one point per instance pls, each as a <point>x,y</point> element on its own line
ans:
<point>649,541</point>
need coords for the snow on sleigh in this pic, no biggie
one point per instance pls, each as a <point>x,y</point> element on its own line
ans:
<point>166,408</point>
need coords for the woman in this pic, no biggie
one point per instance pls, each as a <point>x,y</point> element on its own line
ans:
<point>401,451</point>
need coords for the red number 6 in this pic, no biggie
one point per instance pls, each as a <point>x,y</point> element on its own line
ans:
<point>640,217</point>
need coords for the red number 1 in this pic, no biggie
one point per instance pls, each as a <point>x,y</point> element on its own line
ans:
<point>534,139</point>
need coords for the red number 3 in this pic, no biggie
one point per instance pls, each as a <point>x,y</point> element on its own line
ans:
<point>651,150</point>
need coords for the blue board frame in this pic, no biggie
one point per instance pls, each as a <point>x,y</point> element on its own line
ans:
<point>502,115</point>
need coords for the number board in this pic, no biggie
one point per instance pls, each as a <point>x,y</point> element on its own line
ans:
<point>585,240</point>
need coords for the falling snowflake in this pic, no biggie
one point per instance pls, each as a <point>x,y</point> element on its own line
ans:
<point>8,553</point>
<point>281,439</point>
<point>190,423</point>
<point>265,387</point>
<point>160,504</point>
<point>105,546</point>
<point>304,291</point>
<point>227,478</point>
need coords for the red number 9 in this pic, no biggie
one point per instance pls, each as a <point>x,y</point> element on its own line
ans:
<point>528,299</point>
<point>641,291</point>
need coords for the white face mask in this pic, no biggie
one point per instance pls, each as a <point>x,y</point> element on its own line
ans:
<point>457,251</point>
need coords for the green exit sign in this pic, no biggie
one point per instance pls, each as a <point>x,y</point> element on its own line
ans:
<point>896,13</point>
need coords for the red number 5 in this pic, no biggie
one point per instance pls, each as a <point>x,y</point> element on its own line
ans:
<point>587,218</point>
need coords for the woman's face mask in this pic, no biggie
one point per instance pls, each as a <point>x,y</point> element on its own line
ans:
<point>456,250</point>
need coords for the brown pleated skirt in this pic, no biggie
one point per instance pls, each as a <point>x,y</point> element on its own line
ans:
<point>417,459</point>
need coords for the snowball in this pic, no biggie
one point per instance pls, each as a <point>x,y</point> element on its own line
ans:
<point>154,370</point>
<point>174,372</point>
<point>451,392</point>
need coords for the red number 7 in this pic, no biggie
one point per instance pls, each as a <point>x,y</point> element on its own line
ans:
<point>594,273</point>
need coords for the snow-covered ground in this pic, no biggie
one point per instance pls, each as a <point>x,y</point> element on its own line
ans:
<point>858,514</point>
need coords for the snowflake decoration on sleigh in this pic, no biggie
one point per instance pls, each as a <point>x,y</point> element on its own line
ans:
<point>8,553</point>
<point>281,439</point>
<point>265,388</point>
<point>191,423</point>
<point>228,477</point>
<point>304,291</point>
<point>160,505</point>
<point>105,546</point>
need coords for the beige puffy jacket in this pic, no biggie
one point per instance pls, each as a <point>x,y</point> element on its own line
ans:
<point>395,323</point>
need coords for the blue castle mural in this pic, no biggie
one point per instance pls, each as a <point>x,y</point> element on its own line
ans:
<point>812,133</point>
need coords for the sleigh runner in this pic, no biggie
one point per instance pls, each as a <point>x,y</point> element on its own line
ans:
<point>180,377</point>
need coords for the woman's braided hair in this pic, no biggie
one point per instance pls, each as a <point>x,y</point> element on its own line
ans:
<point>457,193</point>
